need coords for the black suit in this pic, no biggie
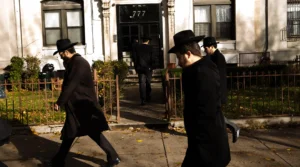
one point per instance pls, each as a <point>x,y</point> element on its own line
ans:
<point>219,59</point>
<point>143,66</point>
<point>204,122</point>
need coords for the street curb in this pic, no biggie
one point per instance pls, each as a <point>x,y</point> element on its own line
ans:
<point>248,122</point>
<point>41,129</point>
<point>243,123</point>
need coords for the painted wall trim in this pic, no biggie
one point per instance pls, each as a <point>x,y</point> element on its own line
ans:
<point>88,27</point>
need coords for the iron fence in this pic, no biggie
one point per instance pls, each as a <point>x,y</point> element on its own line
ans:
<point>250,94</point>
<point>31,102</point>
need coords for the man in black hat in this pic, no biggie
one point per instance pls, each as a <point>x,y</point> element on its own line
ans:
<point>210,47</point>
<point>83,113</point>
<point>204,122</point>
<point>143,66</point>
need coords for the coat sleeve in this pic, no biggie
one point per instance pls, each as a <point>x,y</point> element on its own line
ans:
<point>221,63</point>
<point>133,53</point>
<point>73,81</point>
<point>151,58</point>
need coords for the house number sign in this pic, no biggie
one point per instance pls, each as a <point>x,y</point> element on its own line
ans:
<point>138,13</point>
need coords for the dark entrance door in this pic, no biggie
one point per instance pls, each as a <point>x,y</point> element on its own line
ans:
<point>136,21</point>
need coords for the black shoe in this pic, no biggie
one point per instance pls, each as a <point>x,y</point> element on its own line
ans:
<point>143,103</point>
<point>112,163</point>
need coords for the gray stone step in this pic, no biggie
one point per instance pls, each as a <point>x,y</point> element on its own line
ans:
<point>132,76</point>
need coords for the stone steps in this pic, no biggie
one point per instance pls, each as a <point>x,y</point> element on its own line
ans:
<point>132,76</point>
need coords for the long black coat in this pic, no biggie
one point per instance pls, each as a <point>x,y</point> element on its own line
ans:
<point>219,59</point>
<point>78,96</point>
<point>5,131</point>
<point>143,61</point>
<point>204,122</point>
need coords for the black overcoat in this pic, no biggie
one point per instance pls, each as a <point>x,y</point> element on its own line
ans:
<point>5,131</point>
<point>204,122</point>
<point>219,59</point>
<point>78,96</point>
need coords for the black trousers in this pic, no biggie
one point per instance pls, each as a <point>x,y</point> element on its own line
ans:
<point>145,84</point>
<point>99,139</point>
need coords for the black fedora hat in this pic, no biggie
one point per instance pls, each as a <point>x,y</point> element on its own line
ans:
<point>146,38</point>
<point>208,41</point>
<point>63,44</point>
<point>184,37</point>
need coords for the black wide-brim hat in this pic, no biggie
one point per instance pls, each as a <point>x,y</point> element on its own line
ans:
<point>209,41</point>
<point>146,38</point>
<point>184,37</point>
<point>63,44</point>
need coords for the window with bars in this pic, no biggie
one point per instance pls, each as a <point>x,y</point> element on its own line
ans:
<point>214,20</point>
<point>293,18</point>
<point>62,19</point>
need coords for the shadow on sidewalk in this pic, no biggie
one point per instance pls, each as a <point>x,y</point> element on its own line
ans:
<point>31,146</point>
<point>276,136</point>
<point>132,111</point>
<point>2,164</point>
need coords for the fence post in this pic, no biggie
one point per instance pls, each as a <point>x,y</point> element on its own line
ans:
<point>20,102</point>
<point>289,90</point>
<point>118,98</point>
<point>6,103</point>
<point>174,95</point>
<point>281,92</point>
<point>269,93</point>
<point>46,101</point>
<point>168,98</point>
<point>96,82</point>
<point>110,96</point>
<point>250,88</point>
<point>181,92</point>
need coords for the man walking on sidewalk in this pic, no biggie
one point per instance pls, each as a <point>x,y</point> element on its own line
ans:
<point>204,122</point>
<point>210,48</point>
<point>78,97</point>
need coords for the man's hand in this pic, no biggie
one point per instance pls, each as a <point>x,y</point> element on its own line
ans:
<point>56,107</point>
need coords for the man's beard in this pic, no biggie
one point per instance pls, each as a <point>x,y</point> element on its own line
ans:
<point>65,61</point>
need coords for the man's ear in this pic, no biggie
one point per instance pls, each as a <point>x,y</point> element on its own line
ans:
<point>189,53</point>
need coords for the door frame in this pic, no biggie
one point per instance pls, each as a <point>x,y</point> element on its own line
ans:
<point>160,26</point>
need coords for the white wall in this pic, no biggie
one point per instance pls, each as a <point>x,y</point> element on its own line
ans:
<point>184,15</point>
<point>8,47</point>
<point>245,29</point>
<point>31,27</point>
<point>32,33</point>
<point>97,31</point>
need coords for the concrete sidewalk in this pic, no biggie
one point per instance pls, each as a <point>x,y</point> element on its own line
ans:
<point>154,148</point>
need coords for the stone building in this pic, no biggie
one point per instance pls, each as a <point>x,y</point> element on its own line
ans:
<point>246,29</point>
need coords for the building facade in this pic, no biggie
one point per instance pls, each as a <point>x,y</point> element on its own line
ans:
<point>106,28</point>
